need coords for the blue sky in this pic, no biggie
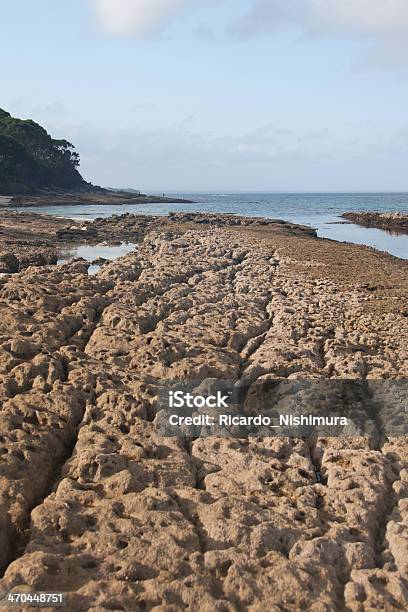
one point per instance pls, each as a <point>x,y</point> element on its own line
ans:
<point>216,94</point>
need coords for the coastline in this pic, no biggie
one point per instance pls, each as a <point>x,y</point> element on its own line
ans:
<point>322,212</point>
<point>36,239</point>
<point>101,197</point>
<point>33,239</point>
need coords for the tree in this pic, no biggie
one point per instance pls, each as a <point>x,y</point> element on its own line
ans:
<point>46,162</point>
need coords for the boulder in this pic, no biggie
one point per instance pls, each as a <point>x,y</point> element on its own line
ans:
<point>8,263</point>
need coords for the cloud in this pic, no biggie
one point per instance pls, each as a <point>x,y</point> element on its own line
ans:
<point>205,32</point>
<point>179,156</point>
<point>269,157</point>
<point>53,108</point>
<point>382,24</point>
<point>138,17</point>
<point>369,18</point>
<point>314,135</point>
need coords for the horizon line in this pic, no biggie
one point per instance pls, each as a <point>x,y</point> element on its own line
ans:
<point>283,191</point>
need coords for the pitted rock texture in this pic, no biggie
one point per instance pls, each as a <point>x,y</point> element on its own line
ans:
<point>94,503</point>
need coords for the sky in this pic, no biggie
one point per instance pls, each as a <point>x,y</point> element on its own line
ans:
<point>216,95</point>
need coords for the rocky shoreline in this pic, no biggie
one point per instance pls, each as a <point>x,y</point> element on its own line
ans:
<point>100,197</point>
<point>94,503</point>
<point>395,222</point>
<point>30,239</point>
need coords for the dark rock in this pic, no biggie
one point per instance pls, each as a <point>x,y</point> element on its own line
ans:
<point>76,233</point>
<point>79,265</point>
<point>8,263</point>
<point>227,219</point>
<point>43,257</point>
<point>393,221</point>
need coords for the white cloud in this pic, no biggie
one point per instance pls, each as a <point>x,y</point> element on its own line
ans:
<point>138,17</point>
<point>53,108</point>
<point>369,17</point>
<point>268,157</point>
<point>180,157</point>
<point>372,18</point>
<point>381,24</point>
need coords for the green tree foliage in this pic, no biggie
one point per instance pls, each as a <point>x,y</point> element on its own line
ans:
<point>31,159</point>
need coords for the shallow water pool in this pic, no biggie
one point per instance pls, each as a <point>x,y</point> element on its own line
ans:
<point>93,252</point>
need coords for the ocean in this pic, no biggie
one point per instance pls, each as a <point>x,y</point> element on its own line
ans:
<point>319,210</point>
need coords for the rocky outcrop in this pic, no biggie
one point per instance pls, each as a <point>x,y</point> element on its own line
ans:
<point>396,222</point>
<point>96,504</point>
<point>8,263</point>
<point>77,233</point>
<point>37,240</point>
<point>225,220</point>
<point>125,227</point>
<point>27,239</point>
<point>38,257</point>
<point>89,195</point>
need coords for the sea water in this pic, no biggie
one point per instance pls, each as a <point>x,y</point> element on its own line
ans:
<point>91,253</point>
<point>319,210</point>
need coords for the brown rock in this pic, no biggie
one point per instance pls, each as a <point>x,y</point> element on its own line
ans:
<point>8,263</point>
<point>121,518</point>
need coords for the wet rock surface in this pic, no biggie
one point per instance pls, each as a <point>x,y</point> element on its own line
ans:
<point>27,239</point>
<point>397,222</point>
<point>94,503</point>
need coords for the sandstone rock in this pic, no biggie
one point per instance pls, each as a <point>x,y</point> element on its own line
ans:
<point>119,517</point>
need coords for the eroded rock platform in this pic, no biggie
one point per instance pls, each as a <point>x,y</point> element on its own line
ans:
<point>95,504</point>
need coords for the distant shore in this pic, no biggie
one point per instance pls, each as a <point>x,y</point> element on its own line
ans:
<point>102,197</point>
